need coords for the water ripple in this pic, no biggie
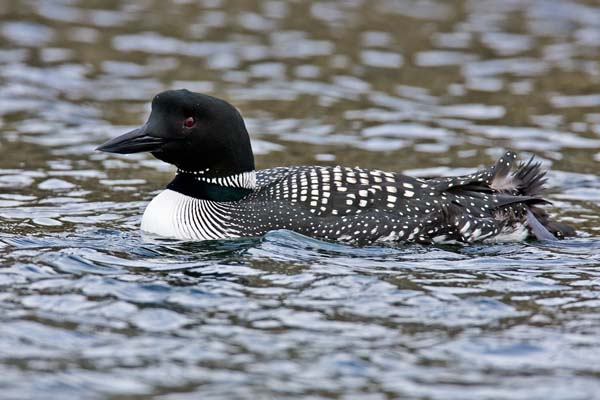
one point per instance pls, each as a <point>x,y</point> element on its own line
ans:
<point>91,308</point>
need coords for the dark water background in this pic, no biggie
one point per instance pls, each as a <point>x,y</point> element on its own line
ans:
<point>90,309</point>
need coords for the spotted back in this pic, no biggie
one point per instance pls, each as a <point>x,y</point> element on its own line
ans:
<point>339,190</point>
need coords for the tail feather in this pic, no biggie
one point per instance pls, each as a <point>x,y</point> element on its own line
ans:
<point>517,196</point>
<point>530,178</point>
<point>527,180</point>
<point>524,185</point>
<point>530,181</point>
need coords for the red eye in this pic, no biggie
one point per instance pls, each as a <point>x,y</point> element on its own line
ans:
<point>189,122</point>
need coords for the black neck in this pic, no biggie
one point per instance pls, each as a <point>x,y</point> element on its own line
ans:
<point>191,186</point>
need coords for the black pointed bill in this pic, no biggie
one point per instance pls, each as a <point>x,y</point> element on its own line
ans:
<point>136,141</point>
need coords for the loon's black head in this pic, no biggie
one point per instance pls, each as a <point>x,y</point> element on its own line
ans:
<point>192,131</point>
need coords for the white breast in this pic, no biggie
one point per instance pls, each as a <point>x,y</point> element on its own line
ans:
<point>172,214</point>
<point>510,234</point>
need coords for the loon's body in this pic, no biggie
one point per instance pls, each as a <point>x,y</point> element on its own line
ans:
<point>213,197</point>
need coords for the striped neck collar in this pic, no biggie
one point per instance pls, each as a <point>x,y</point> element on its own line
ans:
<point>245,180</point>
<point>223,189</point>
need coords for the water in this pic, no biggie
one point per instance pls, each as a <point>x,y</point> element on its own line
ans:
<point>92,309</point>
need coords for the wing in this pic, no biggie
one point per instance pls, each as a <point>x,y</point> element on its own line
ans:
<point>340,202</point>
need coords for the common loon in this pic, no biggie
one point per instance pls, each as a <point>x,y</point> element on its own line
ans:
<point>217,193</point>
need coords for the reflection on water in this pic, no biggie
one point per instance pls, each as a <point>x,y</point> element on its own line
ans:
<point>91,309</point>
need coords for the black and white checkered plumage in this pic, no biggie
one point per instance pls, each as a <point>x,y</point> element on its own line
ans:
<point>210,199</point>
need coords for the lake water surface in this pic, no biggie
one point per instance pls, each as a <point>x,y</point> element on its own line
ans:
<point>91,309</point>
